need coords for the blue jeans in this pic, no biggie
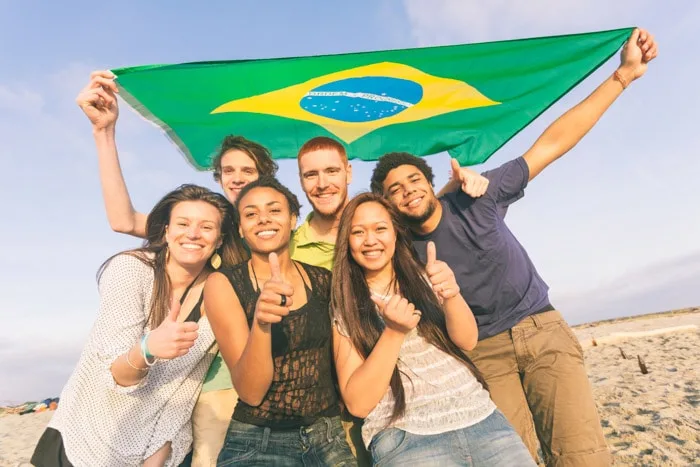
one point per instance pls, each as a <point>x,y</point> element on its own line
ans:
<point>491,442</point>
<point>320,444</point>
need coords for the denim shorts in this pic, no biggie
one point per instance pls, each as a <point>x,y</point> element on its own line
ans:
<point>491,442</point>
<point>320,444</point>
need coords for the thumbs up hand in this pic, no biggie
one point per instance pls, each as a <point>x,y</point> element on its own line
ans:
<point>172,338</point>
<point>472,183</point>
<point>398,313</point>
<point>440,275</point>
<point>275,296</point>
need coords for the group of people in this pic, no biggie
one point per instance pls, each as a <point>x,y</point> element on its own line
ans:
<point>396,327</point>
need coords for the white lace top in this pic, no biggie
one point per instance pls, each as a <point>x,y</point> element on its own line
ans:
<point>105,424</point>
<point>441,393</point>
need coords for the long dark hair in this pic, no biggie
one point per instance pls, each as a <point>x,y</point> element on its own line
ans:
<point>154,250</point>
<point>350,297</point>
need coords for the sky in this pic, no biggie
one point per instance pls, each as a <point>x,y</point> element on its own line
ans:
<point>613,227</point>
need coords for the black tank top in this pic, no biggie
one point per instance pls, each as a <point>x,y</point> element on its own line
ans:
<point>303,385</point>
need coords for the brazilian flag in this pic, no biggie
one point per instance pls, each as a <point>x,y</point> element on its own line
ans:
<point>468,100</point>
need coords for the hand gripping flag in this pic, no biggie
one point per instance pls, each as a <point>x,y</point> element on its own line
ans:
<point>468,100</point>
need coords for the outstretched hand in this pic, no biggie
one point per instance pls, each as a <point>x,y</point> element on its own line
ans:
<point>638,51</point>
<point>99,101</point>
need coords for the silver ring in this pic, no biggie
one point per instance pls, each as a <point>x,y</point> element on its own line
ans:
<point>283,300</point>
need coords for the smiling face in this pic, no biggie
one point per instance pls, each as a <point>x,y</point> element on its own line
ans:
<point>237,170</point>
<point>325,175</point>
<point>265,220</point>
<point>372,239</point>
<point>411,193</point>
<point>193,233</point>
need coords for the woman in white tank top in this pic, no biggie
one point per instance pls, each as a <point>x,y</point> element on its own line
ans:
<point>401,328</point>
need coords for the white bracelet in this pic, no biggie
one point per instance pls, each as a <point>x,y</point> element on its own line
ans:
<point>131,364</point>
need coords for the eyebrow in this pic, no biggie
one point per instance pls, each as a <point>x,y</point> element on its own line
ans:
<point>374,223</point>
<point>255,207</point>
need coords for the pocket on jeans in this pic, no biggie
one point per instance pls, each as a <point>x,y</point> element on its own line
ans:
<point>386,444</point>
<point>235,450</point>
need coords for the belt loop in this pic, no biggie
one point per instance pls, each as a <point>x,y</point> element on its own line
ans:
<point>265,439</point>
<point>537,321</point>
<point>329,429</point>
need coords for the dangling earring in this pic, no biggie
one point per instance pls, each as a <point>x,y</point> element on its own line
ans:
<point>167,254</point>
<point>215,260</point>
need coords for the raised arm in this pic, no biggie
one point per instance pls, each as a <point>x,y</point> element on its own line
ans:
<point>363,383</point>
<point>98,101</point>
<point>567,130</point>
<point>247,351</point>
<point>461,325</point>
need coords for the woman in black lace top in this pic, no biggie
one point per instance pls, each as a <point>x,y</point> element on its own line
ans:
<point>270,316</point>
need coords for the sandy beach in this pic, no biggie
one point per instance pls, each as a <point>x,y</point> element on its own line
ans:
<point>648,419</point>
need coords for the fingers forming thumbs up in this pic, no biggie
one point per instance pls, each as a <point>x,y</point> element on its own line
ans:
<point>398,313</point>
<point>276,273</point>
<point>172,338</point>
<point>431,253</point>
<point>275,295</point>
<point>174,312</point>
<point>440,274</point>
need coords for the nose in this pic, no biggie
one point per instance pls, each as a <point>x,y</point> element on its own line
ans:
<point>263,218</point>
<point>192,231</point>
<point>237,178</point>
<point>370,239</point>
<point>322,181</point>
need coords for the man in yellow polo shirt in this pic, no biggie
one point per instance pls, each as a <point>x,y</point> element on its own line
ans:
<point>325,173</point>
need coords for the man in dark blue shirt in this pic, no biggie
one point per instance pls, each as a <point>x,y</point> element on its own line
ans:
<point>527,352</point>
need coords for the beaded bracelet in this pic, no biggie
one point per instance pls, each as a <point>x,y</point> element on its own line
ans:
<point>622,80</point>
<point>147,356</point>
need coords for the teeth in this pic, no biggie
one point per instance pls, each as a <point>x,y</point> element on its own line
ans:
<point>191,246</point>
<point>415,202</point>
<point>266,233</point>
<point>372,254</point>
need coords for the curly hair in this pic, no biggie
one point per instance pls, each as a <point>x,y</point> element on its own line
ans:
<point>389,162</point>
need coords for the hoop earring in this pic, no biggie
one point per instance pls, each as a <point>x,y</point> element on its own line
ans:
<point>215,260</point>
<point>167,254</point>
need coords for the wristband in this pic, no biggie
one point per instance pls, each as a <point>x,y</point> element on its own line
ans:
<point>149,358</point>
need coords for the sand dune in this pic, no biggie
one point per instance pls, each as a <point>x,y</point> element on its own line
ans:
<point>648,419</point>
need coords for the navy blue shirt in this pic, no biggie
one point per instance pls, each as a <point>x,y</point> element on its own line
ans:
<point>495,275</point>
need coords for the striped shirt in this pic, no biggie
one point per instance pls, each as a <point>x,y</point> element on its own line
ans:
<point>441,393</point>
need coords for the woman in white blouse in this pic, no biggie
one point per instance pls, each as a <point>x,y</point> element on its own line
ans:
<point>130,398</point>
<point>401,328</point>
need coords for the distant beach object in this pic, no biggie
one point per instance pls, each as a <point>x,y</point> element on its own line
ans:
<point>622,336</point>
<point>622,352</point>
<point>30,407</point>
<point>642,365</point>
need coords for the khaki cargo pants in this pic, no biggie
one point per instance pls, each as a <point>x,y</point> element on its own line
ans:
<point>535,372</point>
